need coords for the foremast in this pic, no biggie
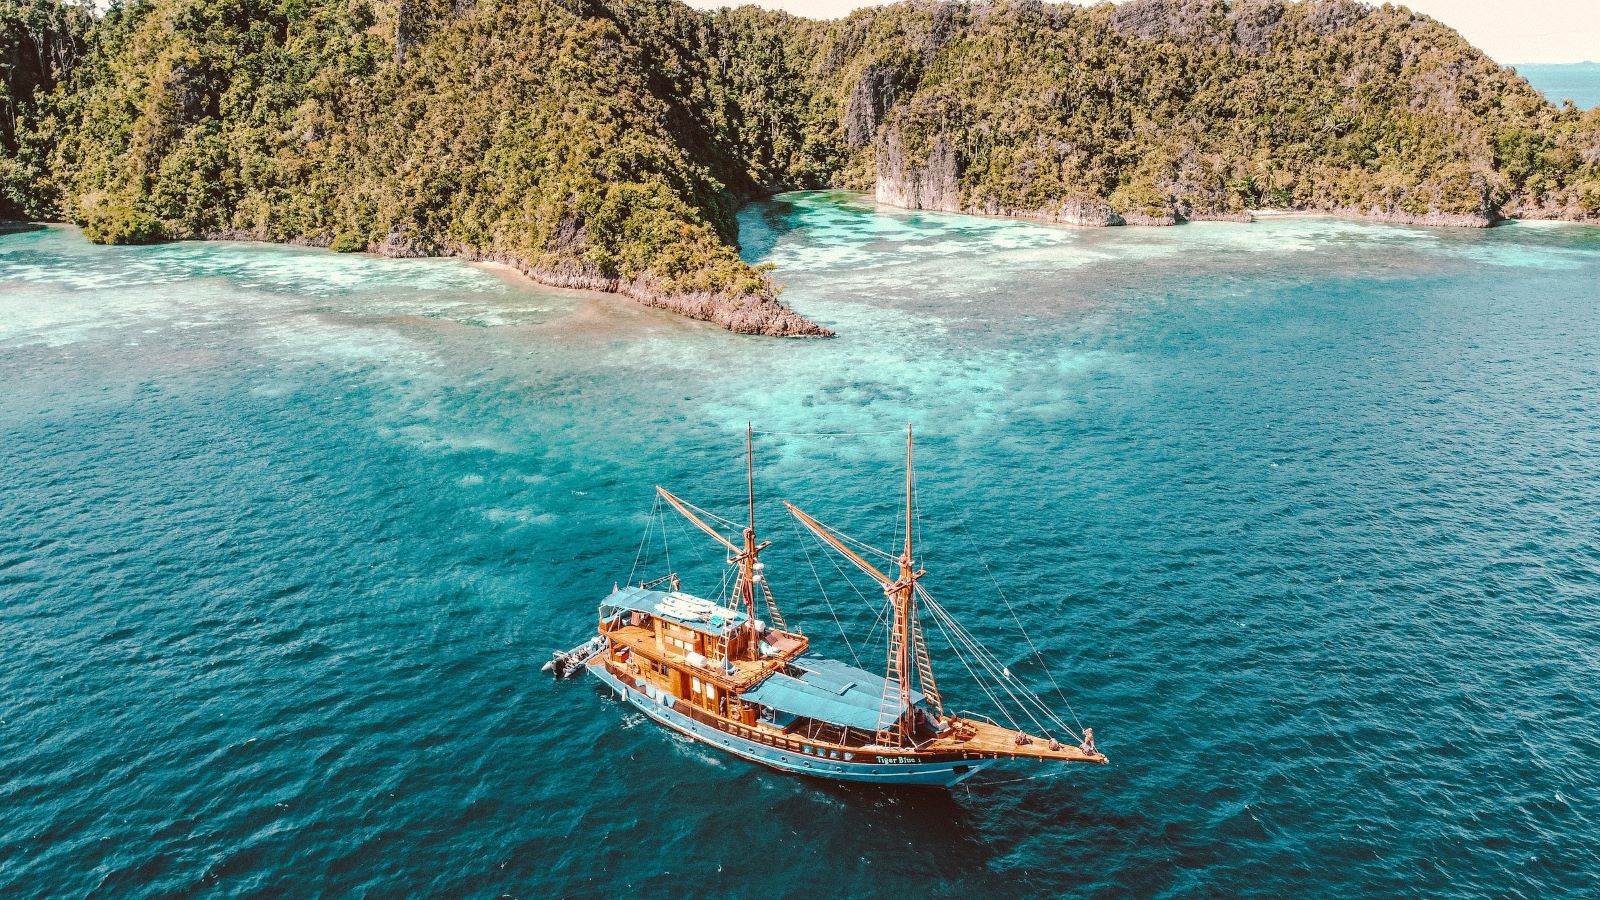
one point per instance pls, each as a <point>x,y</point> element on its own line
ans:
<point>747,557</point>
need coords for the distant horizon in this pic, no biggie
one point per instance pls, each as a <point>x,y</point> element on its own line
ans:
<point>1536,32</point>
<point>1578,82</point>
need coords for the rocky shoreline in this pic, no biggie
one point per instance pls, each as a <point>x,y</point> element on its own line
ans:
<point>934,177</point>
<point>758,314</point>
<point>1094,212</point>
<point>763,314</point>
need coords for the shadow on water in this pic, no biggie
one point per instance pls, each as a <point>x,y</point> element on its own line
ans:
<point>926,817</point>
<point>19,227</point>
<point>761,225</point>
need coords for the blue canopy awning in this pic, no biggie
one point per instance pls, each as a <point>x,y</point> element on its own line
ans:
<point>658,603</point>
<point>826,690</point>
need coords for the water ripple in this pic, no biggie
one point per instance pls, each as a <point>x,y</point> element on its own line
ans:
<point>1303,511</point>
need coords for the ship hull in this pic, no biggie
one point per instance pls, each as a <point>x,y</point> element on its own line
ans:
<point>941,773</point>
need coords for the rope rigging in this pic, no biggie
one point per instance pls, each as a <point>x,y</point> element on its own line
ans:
<point>905,603</point>
<point>1026,699</point>
<point>806,548</point>
<point>709,515</point>
<point>979,681</point>
<point>649,525</point>
<point>1043,664</point>
<point>986,669</point>
<point>989,665</point>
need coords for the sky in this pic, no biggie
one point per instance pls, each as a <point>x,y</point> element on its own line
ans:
<point>1510,31</point>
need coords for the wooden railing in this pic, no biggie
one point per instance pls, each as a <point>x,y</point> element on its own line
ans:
<point>749,733</point>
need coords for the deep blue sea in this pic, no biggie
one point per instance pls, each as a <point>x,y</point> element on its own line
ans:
<point>1305,513</point>
<point>1578,82</point>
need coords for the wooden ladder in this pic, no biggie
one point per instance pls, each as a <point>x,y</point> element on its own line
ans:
<point>773,615</point>
<point>925,666</point>
<point>890,705</point>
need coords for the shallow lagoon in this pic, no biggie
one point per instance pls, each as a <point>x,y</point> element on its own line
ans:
<point>1303,510</point>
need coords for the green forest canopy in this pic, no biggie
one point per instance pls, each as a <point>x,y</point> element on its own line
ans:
<point>607,143</point>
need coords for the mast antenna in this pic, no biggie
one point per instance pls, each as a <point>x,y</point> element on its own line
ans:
<point>908,493</point>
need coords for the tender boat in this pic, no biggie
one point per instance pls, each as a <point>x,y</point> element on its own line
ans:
<point>736,677</point>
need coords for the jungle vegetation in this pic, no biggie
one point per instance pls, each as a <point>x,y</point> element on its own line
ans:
<point>607,143</point>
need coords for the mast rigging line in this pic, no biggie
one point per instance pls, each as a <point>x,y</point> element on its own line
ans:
<point>805,548</point>
<point>724,591</point>
<point>708,514</point>
<point>880,609</point>
<point>1000,672</point>
<point>649,525</point>
<point>999,707</point>
<point>1043,663</point>
<point>863,545</point>
<point>978,651</point>
<point>872,635</point>
<point>1023,698</point>
<point>866,546</point>
<point>691,537</point>
<point>665,550</point>
<point>697,557</point>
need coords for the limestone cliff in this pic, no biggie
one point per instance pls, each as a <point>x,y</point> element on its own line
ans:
<point>606,143</point>
<point>1155,112</point>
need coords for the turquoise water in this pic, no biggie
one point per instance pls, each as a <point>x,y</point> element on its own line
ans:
<point>1578,82</point>
<point>1304,512</point>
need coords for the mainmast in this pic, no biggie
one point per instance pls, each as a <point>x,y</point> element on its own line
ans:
<point>896,727</point>
<point>906,634</point>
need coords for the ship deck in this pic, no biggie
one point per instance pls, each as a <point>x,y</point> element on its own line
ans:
<point>746,672</point>
<point>985,738</point>
<point>1002,742</point>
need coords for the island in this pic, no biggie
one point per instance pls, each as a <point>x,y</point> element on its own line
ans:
<point>606,144</point>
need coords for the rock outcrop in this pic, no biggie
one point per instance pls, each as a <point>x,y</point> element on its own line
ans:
<point>1159,20</point>
<point>1254,23</point>
<point>761,314</point>
<point>933,182</point>
<point>873,96</point>
<point>1432,218</point>
<point>1083,211</point>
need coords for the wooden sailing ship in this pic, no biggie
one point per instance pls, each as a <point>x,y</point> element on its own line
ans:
<point>738,678</point>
